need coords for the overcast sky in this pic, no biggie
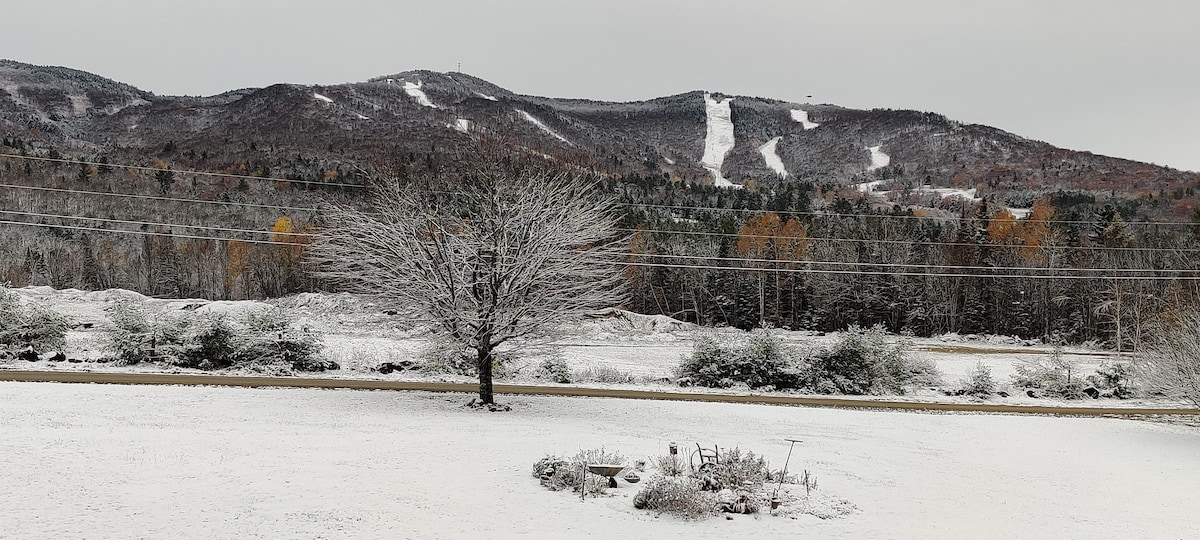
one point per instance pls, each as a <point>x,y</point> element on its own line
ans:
<point>1116,77</point>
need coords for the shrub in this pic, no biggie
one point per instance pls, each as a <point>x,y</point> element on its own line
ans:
<point>554,369</point>
<point>210,341</point>
<point>1055,375</point>
<point>1171,366</point>
<point>604,374</point>
<point>559,474</point>
<point>136,337</point>
<point>676,495</point>
<point>443,355</point>
<point>863,362</point>
<point>29,325</point>
<point>980,382</point>
<point>735,470</point>
<point>1114,378</point>
<point>762,361</point>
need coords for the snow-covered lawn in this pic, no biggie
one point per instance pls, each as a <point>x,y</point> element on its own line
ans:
<point>100,461</point>
<point>359,336</point>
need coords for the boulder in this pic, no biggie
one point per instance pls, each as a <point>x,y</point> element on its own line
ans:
<point>28,354</point>
<point>1092,392</point>
<point>55,356</point>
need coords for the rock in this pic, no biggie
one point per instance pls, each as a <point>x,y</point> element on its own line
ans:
<point>315,365</point>
<point>386,367</point>
<point>74,360</point>
<point>1031,394</point>
<point>1002,394</point>
<point>1092,392</point>
<point>389,312</point>
<point>55,356</point>
<point>28,354</point>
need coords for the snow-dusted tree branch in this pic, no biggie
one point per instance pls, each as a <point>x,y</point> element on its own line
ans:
<point>1172,365</point>
<point>489,257</point>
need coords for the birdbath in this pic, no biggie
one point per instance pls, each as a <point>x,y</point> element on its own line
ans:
<point>611,471</point>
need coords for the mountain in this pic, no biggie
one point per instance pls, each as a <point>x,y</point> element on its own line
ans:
<point>300,130</point>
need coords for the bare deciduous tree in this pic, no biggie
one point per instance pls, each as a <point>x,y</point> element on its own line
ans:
<point>489,257</point>
<point>1172,364</point>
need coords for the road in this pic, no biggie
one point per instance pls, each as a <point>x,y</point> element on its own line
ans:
<point>517,389</point>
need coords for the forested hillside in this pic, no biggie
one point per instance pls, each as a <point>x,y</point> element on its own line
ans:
<point>836,216</point>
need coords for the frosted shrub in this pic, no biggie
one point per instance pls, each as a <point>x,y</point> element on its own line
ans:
<point>864,362</point>
<point>554,369</point>
<point>29,326</point>
<point>1115,378</point>
<point>210,341</point>
<point>762,361</point>
<point>558,474</point>
<point>680,496</point>
<point>980,382</point>
<point>604,374</point>
<point>138,337</point>
<point>1055,375</point>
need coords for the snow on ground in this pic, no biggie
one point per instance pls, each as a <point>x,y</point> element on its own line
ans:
<point>462,124</point>
<point>360,336</point>
<point>414,90</point>
<point>322,98</point>
<point>485,96</point>
<point>719,138</point>
<point>771,155</point>
<point>532,120</point>
<point>109,461</point>
<point>801,116</point>
<point>879,159</point>
<point>669,160</point>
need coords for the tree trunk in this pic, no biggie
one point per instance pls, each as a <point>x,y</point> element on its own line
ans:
<point>484,362</point>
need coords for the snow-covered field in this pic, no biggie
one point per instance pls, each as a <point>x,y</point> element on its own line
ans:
<point>801,116</point>
<point>360,336</point>
<point>103,461</point>
<point>414,91</point>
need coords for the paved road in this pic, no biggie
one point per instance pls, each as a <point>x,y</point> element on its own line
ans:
<point>517,389</point>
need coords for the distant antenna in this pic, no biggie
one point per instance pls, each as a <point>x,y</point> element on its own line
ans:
<point>459,67</point>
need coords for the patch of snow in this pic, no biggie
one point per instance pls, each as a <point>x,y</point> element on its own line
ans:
<point>361,117</point>
<point>461,124</point>
<point>530,118</point>
<point>1020,213</point>
<point>414,90</point>
<point>322,98</point>
<point>801,116</point>
<point>771,156</point>
<point>869,187</point>
<point>878,158</point>
<point>719,139</point>
<point>669,160</point>
<point>485,96</point>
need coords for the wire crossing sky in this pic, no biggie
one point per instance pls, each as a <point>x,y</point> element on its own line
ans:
<point>1109,76</point>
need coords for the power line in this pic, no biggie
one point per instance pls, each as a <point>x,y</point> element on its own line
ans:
<point>904,242</point>
<point>660,265</point>
<point>143,233</point>
<point>187,171</point>
<point>910,274</point>
<point>908,265</point>
<point>152,224</point>
<point>890,216</point>
<point>156,198</point>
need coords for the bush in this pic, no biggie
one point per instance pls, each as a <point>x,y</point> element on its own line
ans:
<point>443,355</point>
<point>604,374</point>
<point>763,361</point>
<point>559,474</point>
<point>136,337</point>
<point>554,369</point>
<point>29,325</point>
<point>735,470</point>
<point>863,362</point>
<point>1114,378</point>
<point>209,341</point>
<point>980,382</point>
<point>1171,365</point>
<point>676,495</point>
<point>1054,375</point>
